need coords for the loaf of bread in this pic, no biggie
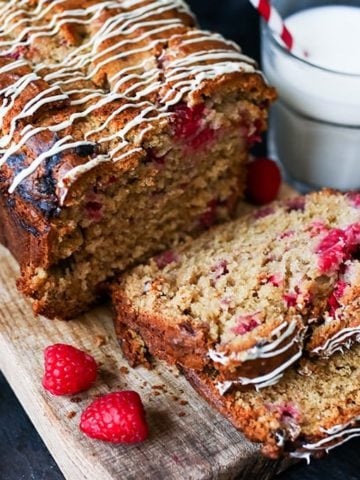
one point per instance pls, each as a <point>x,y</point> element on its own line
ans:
<point>123,128</point>
<point>314,408</point>
<point>249,296</point>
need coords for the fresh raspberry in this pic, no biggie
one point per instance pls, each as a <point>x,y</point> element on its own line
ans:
<point>117,417</point>
<point>263,181</point>
<point>68,370</point>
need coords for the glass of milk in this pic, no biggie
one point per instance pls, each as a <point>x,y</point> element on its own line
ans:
<point>315,125</point>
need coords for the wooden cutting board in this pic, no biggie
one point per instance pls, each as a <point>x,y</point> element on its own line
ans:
<point>188,439</point>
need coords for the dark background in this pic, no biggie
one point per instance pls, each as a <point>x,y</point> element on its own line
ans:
<point>23,456</point>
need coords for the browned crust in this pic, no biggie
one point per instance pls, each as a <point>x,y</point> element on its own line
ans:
<point>156,331</point>
<point>32,209</point>
<point>137,353</point>
<point>247,418</point>
<point>241,420</point>
<point>177,341</point>
<point>351,314</point>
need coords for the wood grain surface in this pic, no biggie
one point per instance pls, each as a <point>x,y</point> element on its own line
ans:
<point>188,439</point>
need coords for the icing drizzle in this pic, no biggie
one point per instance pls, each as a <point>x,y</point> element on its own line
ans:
<point>336,436</point>
<point>340,340</point>
<point>113,41</point>
<point>271,349</point>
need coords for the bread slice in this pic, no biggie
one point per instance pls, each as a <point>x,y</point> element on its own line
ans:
<point>314,407</point>
<point>247,296</point>
<point>123,127</point>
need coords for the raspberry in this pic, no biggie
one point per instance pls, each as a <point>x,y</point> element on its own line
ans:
<point>336,295</point>
<point>203,138</point>
<point>287,411</point>
<point>94,211</point>
<point>220,269</point>
<point>263,212</point>
<point>286,234</point>
<point>208,218</point>
<point>117,417</point>
<point>332,250</point>
<point>187,126</point>
<point>354,198</point>
<point>337,247</point>
<point>296,203</point>
<point>187,120</point>
<point>290,299</point>
<point>254,133</point>
<point>263,181</point>
<point>275,280</point>
<point>245,324</point>
<point>166,258</point>
<point>68,370</point>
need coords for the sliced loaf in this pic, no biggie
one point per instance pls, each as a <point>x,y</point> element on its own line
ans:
<point>247,297</point>
<point>314,408</point>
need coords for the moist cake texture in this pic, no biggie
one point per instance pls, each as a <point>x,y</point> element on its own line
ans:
<point>314,407</point>
<point>249,297</point>
<point>123,128</point>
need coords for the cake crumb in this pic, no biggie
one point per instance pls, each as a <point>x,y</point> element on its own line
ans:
<point>183,402</point>
<point>182,414</point>
<point>124,370</point>
<point>71,414</point>
<point>100,340</point>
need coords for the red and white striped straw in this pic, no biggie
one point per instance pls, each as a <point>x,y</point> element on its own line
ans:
<point>276,24</point>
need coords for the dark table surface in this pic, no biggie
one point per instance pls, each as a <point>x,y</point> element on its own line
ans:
<point>23,456</point>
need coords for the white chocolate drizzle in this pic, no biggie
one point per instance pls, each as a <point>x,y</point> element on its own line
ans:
<point>340,340</point>
<point>21,26</point>
<point>337,436</point>
<point>262,381</point>
<point>269,350</point>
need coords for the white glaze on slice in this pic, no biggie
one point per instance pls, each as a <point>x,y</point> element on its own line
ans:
<point>269,350</point>
<point>340,340</point>
<point>337,436</point>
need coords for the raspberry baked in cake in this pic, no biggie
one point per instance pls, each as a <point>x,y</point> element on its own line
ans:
<point>248,297</point>
<point>124,128</point>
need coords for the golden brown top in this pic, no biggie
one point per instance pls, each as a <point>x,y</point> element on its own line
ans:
<point>83,82</point>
